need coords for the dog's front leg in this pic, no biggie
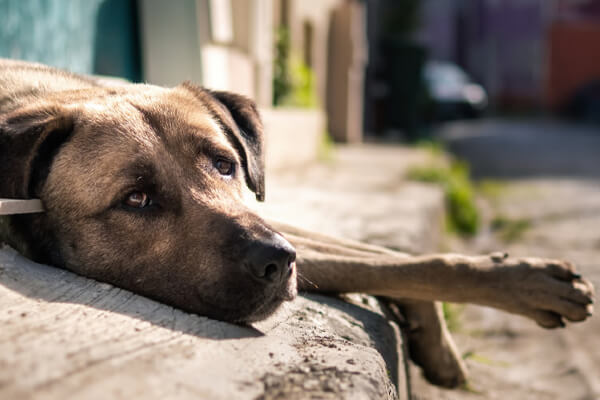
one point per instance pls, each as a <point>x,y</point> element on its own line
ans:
<point>547,291</point>
<point>430,344</point>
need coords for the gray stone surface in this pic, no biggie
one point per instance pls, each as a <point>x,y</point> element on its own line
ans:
<point>550,180</point>
<point>64,336</point>
<point>293,137</point>
<point>510,357</point>
<point>361,194</point>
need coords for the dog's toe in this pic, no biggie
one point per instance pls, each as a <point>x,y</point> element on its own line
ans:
<point>548,319</point>
<point>560,300</point>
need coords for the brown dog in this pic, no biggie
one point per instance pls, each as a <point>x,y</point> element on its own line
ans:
<point>142,188</point>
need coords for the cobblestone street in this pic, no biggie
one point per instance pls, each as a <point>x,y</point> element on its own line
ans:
<point>550,194</point>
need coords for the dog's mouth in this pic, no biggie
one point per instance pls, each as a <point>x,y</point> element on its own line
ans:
<point>253,306</point>
<point>287,292</point>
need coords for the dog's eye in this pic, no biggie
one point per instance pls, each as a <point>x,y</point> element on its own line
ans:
<point>138,200</point>
<point>224,166</point>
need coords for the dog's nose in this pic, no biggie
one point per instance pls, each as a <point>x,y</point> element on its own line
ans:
<point>271,260</point>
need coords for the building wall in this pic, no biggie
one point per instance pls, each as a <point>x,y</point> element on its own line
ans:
<point>221,44</point>
<point>571,41</point>
<point>438,31</point>
<point>346,65</point>
<point>58,33</point>
<point>500,43</point>
<point>75,35</point>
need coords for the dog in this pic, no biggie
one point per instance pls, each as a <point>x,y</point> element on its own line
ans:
<point>142,188</point>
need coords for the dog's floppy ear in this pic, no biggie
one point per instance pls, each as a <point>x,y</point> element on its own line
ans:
<point>247,134</point>
<point>29,140</point>
<point>249,137</point>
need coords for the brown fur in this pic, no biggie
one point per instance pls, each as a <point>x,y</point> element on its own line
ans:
<point>82,147</point>
<point>82,151</point>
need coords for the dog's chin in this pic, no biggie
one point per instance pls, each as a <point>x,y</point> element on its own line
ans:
<point>287,293</point>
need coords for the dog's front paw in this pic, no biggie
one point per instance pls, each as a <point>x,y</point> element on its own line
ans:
<point>547,291</point>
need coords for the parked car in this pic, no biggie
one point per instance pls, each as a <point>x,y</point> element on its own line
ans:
<point>452,93</point>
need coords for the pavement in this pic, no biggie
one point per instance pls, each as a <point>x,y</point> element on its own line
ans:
<point>544,174</point>
<point>68,337</point>
<point>361,192</point>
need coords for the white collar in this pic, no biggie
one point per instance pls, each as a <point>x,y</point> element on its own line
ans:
<point>18,206</point>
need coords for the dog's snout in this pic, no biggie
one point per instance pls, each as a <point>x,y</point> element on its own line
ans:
<point>271,260</point>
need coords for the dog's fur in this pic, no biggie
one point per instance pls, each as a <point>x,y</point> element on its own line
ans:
<point>83,146</point>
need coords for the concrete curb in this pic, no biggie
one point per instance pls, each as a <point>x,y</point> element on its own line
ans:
<point>68,337</point>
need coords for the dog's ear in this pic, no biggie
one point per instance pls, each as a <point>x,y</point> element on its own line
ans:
<point>248,137</point>
<point>29,140</point>
<point>246,134</point>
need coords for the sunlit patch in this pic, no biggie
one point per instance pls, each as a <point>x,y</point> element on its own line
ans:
<point>291,290</point>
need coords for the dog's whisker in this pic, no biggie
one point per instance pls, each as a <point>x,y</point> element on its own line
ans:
<point>305,279</point>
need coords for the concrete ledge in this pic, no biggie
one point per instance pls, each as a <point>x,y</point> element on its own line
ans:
<point>361,194</point>
<point>293,136</point>
<point>68,337</point>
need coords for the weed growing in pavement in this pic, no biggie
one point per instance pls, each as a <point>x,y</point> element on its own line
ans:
<point>492,189</point>
<point>463,215</point>
<point>325,151</point>
<point>434,147</point>
<point>484,360</point>
<point>452,315</point>
<point>510,230</point>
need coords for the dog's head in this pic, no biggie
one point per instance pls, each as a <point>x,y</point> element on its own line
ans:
<point>143,189</point>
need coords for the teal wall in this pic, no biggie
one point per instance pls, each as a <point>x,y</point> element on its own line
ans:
<point>85,36</point>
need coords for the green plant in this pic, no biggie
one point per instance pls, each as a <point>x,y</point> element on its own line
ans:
<point>452,313</point>
<point>471,355</point>
<point>293,80</point>
<point>463,216</point>
<point>434,147</point>
<point>282,85</point>
<point>510,230</point>
<point>303,92</point>
<point>492,190</point>
<point>326,147</point>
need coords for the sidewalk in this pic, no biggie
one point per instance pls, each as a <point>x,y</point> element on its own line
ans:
<point>65,336</point>
<point>360,194</point>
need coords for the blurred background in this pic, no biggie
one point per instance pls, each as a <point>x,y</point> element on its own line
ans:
<point>497,102</point>
<point>378,68</point>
